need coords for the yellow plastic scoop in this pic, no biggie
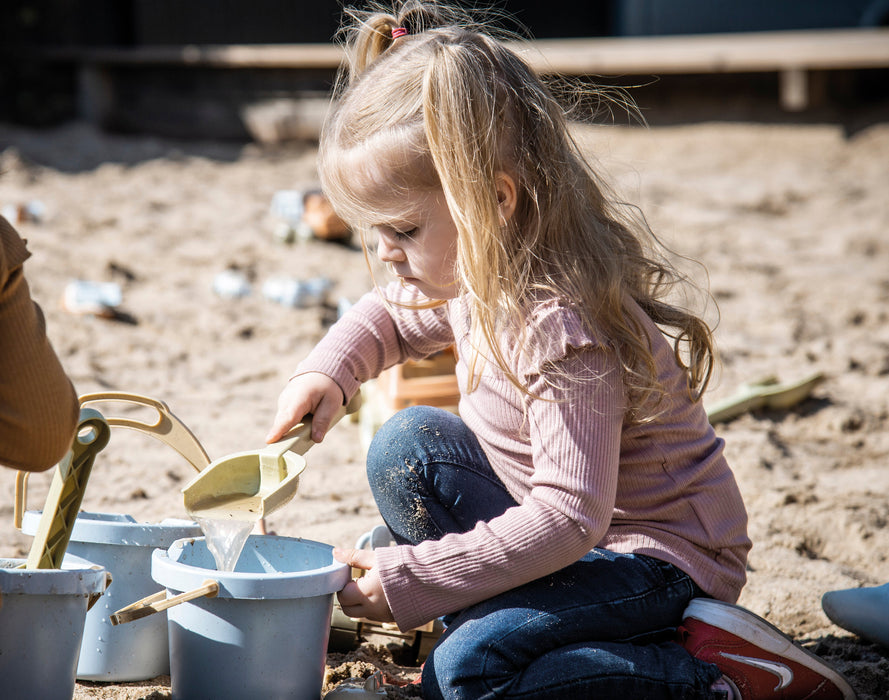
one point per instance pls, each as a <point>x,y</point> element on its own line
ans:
<point>249,486</point>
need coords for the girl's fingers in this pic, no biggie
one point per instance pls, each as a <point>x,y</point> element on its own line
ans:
<point>363,597</point>
<point>295,401</point>
<point>353,601</point>
<point>284,421</point>
<point>324,413</point>
<point>356,558</point>
<point>313,393</point>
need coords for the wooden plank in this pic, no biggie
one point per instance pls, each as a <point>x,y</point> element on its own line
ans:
<point>305,56</point>
<point>703,53</point>
<point>713,53</point>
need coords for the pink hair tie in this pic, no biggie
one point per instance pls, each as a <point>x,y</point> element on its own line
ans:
<point>398,32</point>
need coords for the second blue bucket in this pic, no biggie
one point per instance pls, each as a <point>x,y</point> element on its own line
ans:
<point>264,634</point>
<point>123,546</point>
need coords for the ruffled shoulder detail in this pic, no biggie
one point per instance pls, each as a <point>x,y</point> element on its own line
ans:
<point>553,332</point>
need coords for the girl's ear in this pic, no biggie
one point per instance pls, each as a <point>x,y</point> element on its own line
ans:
<point>507,195</point>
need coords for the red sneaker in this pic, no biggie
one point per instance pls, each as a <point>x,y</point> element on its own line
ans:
<point>761,661</point>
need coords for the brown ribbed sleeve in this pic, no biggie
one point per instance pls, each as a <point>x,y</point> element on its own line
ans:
<point>38,404</point>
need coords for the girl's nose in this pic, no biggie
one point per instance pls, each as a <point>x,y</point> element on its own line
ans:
<point>388,252</point>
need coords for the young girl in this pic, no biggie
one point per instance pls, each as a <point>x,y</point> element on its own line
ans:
<point>580,503</point>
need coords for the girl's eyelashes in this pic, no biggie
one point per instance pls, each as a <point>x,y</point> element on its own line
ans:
<point>403,235</point>
<point>401,232</point>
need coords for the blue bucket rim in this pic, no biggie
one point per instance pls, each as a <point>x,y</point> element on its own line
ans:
<point>77,577</point>
<point>119,529</point>
<point>175,575</point>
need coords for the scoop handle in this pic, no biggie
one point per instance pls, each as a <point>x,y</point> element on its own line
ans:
<point>298,439</point>
<point>272,467</point>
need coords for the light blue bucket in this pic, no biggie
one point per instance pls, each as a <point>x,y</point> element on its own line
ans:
<point>42,613</point>
<point>134,652</point>
<point>264,635</point>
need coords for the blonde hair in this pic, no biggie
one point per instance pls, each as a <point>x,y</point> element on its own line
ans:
<point>449,107</point>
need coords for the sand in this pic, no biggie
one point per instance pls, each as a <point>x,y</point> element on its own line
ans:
<point>789,221</point>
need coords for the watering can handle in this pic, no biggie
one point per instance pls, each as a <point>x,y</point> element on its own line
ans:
<point>157,602</point>
<point>168,428</point>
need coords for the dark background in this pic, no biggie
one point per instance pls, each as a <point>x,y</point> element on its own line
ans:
<point>142,22</point>
<point>38,92</point>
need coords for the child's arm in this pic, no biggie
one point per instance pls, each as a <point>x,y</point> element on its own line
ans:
<point>369,338</point>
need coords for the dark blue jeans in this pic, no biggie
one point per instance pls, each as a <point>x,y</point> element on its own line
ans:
<point>599,628</point>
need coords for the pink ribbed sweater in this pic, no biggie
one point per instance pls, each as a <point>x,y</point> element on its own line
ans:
<point>583,477</point>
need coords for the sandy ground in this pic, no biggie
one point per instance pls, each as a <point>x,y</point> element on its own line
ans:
<point>790,222</point>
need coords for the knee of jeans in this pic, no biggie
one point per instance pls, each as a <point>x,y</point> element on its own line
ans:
<point>467,664</point>
<point>401,440</point>
<point>390,448</point>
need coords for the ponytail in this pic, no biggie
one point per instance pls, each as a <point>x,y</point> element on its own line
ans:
<point>371,38</point>
<point>377,29</point>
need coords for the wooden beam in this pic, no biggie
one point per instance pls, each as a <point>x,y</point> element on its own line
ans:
<point>712,53</point>
<point>798,57</point>
<point>303,56</point>
<point>830,49</point>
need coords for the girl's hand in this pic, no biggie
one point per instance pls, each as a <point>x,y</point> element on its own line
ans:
<point>313,393</point>
<point>363,597</point>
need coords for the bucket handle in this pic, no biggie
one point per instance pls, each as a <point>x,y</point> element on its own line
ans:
<point>21,491</point>
<point>157,602</point>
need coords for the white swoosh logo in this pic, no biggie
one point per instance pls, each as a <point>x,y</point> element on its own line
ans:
<point>785,675</point>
